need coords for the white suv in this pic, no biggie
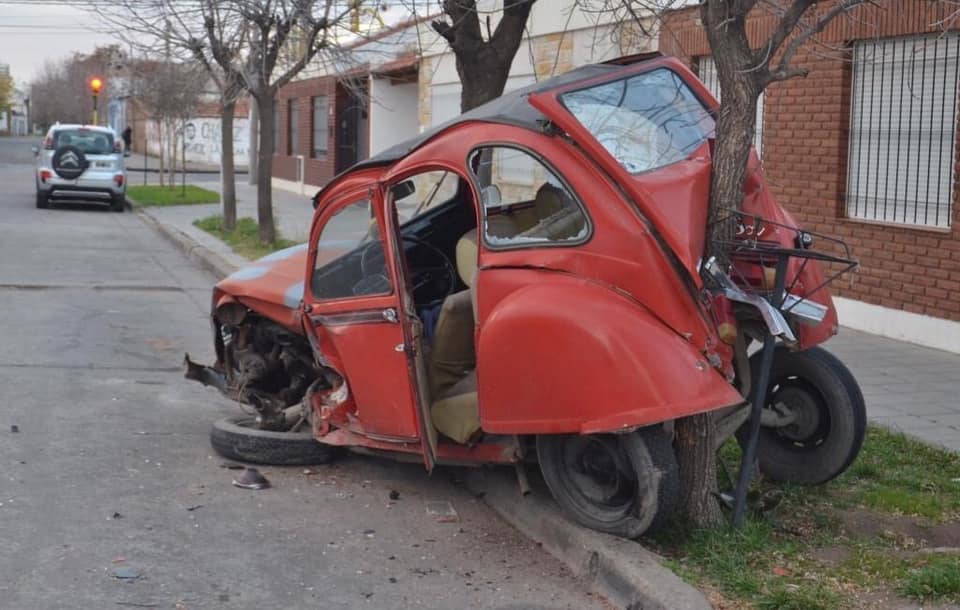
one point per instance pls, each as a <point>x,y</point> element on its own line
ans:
<point>81,162</point>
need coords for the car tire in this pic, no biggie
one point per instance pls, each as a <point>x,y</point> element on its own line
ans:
<point>237,439</point>
<point>117,204</point>
<point>833,424</point>
<point>43,200</point>
<point>637,474</point>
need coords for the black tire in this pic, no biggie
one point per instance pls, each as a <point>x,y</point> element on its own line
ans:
<point>117,204</point>
<point>823,444</point>
<point>235,438</point>
<point>43,200</point>
<point>641,485</point>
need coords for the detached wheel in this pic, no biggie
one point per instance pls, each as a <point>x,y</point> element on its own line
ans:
<point>828,419</point>
<point>237,438</point>
<point>43,200</point>
<point>623,485</point>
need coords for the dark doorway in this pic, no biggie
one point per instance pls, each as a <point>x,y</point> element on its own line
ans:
<point>352,127</point>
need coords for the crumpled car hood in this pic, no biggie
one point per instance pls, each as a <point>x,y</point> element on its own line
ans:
<point>272,285</point>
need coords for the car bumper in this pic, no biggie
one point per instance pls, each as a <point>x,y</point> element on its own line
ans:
<point>91,193</point>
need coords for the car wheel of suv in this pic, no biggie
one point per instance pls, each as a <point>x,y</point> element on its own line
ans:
<point>43,200</point>
<point>117,203</point>
<point>238,438</point>
<point>624,484</point>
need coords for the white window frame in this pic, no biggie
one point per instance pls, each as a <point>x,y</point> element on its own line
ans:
<point>707,71</point>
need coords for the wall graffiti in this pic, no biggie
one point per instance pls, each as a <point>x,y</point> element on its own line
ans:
<point>202,137</point>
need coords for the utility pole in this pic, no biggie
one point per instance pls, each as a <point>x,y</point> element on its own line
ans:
<point>95,86</point>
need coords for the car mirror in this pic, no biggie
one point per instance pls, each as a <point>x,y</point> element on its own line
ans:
<point>404,189</point>
<point>36,150</point>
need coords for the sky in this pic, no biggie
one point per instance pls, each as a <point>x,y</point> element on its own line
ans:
<point>34,31</point>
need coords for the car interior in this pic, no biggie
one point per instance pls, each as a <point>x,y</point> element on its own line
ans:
<point>440,244</point>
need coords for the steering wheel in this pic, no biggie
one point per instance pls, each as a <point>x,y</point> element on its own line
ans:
<point>422,279</point>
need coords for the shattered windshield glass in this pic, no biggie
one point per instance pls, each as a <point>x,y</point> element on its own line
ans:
<point>646,121</point>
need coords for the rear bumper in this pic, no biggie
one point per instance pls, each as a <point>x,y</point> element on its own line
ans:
<point>93,193</point>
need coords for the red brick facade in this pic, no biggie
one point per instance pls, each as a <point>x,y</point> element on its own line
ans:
<point>318,170</point>
<point>805,144</point>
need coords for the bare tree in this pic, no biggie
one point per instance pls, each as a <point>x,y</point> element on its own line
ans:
<point>482,63</point>
<point>61,93</point>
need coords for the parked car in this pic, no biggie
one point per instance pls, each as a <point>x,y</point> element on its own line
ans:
<point>81,162</point>
<point>547,296</point>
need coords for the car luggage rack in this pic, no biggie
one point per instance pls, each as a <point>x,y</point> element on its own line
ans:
<point>751,250</point>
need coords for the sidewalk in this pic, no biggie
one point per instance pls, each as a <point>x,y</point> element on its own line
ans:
<point>907,387</point>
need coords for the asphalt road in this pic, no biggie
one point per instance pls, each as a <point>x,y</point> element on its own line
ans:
<point>110,469</point>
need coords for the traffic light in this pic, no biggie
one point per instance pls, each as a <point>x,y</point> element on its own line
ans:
<point>96,85</point>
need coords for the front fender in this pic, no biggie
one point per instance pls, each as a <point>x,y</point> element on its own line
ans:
<point>567,355</point>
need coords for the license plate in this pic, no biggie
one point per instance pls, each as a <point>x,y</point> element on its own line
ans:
<point>104,164</point>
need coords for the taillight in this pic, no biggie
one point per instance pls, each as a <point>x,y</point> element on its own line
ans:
<point>118,179</point>
<point>45,175</point>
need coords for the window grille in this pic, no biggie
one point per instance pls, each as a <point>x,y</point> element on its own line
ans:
<point>903,119</point>
<point>321,131</point>
<point>293,130</point>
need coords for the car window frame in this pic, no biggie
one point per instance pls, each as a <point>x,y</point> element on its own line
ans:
<point>482,210</point>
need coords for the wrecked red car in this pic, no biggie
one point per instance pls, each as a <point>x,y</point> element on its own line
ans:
<point>530,282</point>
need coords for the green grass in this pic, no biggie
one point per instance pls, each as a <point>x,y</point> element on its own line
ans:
<point>154,195</point>
<point>938,579</point>
<point>771,563</point>
<point>245,239</point>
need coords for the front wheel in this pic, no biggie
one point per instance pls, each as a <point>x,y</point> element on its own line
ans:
<point>826,415</point>
<point>625,484</point>
<point>238,438</point>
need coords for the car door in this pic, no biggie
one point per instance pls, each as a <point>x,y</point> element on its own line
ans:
<point>357,302</point>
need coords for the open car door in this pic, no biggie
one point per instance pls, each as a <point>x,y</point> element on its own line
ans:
<point>358,305</point>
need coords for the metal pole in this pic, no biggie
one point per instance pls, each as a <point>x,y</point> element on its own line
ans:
<point>758,402</point>
<point>94,108</point>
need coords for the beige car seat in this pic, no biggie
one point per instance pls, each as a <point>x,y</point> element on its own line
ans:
<point>453,357</point>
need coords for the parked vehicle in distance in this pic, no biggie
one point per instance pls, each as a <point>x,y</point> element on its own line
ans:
<point>531,279</point>
<point>81,163</point>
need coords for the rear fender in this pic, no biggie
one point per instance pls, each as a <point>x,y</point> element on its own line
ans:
<point>561,354</point>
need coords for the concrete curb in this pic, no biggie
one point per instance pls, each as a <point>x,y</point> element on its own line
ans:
<point>200,254</point>
<point>627,574</point>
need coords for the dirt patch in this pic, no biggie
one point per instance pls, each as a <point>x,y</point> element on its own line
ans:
<point>831,555</point>
<point>909,530</point>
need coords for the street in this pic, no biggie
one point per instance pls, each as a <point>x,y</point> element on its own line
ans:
<point>111,496</point>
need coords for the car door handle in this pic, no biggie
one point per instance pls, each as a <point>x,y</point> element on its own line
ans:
<point>390,315</point>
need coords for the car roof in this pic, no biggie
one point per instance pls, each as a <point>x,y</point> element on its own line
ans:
<point>98,128</point>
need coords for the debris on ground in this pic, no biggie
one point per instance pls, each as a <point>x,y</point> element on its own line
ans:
<point>443,512</point>
<point>126,573</point>
<point>116,516</point>
<point>14,428</point>
<point>190,509</point>
<point>394,494</point>
<point>232,466</point>
<point>251,479</point>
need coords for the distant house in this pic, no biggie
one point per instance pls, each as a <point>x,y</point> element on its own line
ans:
<point>865,148</point>
<point>14,121</point>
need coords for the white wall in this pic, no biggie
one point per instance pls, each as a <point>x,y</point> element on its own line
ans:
<point>393,113</point>
<point>203,140</point>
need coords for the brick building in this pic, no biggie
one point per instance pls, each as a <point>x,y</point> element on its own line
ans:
<point>865,148</point>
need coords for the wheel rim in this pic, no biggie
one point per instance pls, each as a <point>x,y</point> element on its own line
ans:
<point>599,475</point>
<point>801,399</point>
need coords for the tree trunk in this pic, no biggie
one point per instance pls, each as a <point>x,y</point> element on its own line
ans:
<point>254,147</point>
<point>483,77</point>
<point>163,149</point>
<point>228,186</point>
<point>265,169</point>
<point>698,470</point>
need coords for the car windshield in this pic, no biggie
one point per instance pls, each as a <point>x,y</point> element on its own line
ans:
<point>90,142</point>
<point>646,121</point>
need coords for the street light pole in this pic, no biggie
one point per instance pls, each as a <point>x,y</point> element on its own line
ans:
<point>95,86</point>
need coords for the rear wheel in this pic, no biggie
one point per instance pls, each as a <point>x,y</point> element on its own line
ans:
<point>827,418</point>
<point>117,203</point>
<point>43,200</point>
<point>238,438</point>
<point>624,485</point>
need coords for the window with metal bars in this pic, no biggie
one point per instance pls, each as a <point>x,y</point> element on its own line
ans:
<point>903,130</point>
<point>321,127</point>
<point>707,71</point>
<point>293,127</point>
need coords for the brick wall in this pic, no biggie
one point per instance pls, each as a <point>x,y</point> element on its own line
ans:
<point>320,169</point>
<point>805,143</point>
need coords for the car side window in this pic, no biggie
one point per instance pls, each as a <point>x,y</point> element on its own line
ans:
<point>524,202</point>
<point>350,257</point>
